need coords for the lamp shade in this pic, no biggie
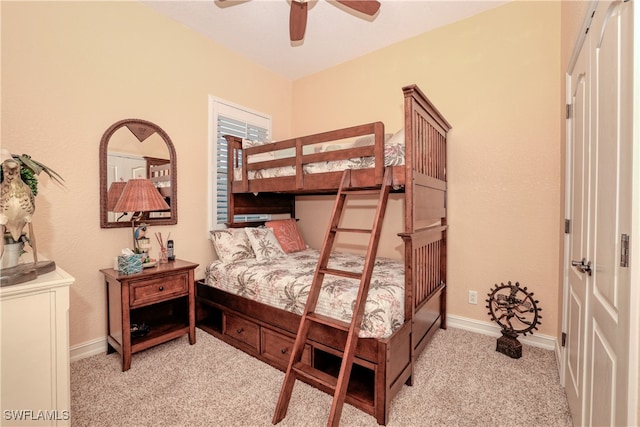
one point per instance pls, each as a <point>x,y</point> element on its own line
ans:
<point>140,195</point>
<point>114,193</point>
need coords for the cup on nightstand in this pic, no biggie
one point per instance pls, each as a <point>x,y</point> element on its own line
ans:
<point>162,256</point>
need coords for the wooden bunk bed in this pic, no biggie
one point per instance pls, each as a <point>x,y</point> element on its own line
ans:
<point>382,365</point>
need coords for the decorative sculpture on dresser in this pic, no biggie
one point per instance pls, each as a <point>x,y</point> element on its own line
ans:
<point>17,205</point>
<point>515,310</point>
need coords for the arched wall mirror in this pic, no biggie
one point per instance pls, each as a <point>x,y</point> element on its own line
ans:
<point>135,148</point>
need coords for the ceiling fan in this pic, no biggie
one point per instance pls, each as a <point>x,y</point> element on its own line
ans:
<point>298,14</point>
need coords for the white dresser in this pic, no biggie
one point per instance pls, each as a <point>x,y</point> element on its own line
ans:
<point>34,351</point>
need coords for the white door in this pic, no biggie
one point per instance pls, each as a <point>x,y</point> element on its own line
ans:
<point>608,353</point>
<point>597,370</point>
<point>123,167</point>
<point>578,247</point>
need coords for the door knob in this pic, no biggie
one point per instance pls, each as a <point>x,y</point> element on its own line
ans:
<point>584,268</point>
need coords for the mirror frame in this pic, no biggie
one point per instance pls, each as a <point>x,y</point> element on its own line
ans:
<point>145,129</point>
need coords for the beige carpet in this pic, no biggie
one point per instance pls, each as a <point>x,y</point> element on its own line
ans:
<point>460,380</point>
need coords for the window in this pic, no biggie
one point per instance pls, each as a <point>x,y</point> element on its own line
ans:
<point>229,119</point>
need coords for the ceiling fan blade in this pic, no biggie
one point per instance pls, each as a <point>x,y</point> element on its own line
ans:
<point>368,7</point>
<point>297,20</point>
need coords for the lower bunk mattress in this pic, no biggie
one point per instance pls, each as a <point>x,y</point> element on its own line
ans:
<point>285,283</point>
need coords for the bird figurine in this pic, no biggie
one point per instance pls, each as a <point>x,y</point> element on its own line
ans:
<point>140,232</point>
<point>17,205</point>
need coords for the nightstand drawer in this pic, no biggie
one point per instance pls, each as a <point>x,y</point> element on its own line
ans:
<point>277,348</point>
<point>162,288</point>
<point>242,330</point>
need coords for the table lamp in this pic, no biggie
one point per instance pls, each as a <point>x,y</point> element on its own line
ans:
<point>138,196</point>
<point>114,193</point>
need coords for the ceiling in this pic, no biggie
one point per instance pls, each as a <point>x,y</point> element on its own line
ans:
<point>259,29</point>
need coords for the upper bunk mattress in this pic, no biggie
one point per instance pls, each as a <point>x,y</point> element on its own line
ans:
<point>394,155</point>
<point>285,283</point>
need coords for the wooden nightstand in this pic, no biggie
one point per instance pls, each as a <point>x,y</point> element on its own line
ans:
<point>162,297</point>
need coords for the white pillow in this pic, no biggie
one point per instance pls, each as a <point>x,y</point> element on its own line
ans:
<point>247,143</point>
<point>264,243</point>
<point>231,244</point>
<point>363,141</point>
<point>261,157</point>
<point>397,138</point>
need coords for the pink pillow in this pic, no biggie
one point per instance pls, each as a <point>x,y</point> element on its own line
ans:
<point>287,233</point>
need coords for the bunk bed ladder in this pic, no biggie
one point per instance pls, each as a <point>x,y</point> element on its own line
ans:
<point>296,367</point>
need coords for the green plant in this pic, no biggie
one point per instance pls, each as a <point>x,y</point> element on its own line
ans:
<point>30,168</point>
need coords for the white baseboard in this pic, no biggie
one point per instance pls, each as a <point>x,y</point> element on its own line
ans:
<point>88,349</point>
<point>487,328</point>
<point>98,346</point>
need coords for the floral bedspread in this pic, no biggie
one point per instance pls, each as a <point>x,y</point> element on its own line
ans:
<point>393,156</point>
<point>285,283</point>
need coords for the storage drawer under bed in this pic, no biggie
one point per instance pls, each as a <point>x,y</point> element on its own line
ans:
<point>242,330</point>
<point>277,348</point>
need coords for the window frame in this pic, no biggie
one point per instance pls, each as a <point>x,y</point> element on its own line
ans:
<point>221,107</point>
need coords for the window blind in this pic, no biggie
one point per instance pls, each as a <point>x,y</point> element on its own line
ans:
<point>235,121</point>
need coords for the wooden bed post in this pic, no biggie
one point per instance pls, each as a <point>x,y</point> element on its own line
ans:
<point>443,277</point>
<point>425,208</point>
<point>233,143</point>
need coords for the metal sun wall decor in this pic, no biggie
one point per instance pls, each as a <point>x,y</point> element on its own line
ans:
<point>517,312</point>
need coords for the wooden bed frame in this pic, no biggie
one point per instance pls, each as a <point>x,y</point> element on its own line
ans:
<point>381,366</point>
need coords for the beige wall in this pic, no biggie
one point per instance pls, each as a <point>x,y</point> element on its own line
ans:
<point>496,79</point>
<point>70,70</point>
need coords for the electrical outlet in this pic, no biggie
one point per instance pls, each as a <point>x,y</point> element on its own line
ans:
<point>473,297</point>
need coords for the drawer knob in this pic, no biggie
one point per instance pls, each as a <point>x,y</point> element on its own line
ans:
<point>284,350</point>
<point>240,330</point>
<point>161,288</point>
